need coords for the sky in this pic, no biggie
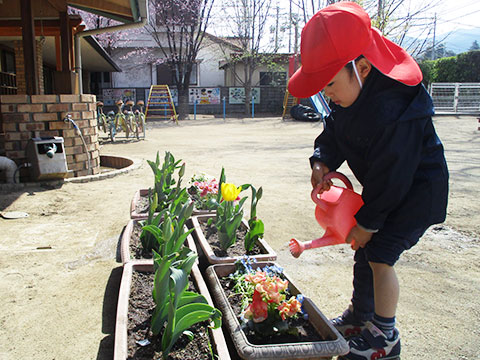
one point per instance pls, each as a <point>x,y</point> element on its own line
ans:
<point>456,14</point>
<point>451,15</point>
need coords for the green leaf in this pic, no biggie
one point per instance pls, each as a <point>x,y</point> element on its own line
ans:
<point>188,297</point>
<point>256,231</point>
<point>189,315</point>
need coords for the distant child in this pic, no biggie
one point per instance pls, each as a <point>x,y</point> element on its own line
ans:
<point>381,125</point>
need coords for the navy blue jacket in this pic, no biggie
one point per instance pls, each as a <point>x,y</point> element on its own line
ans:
<point>389,142</point>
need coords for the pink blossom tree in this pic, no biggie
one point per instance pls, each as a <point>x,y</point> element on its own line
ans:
<point>178,28</point>
<point>110,40</point>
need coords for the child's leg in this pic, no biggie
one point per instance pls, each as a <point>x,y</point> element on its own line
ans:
<point>352,321</point>
<point>386,289</point>
<point>380,339</point>
<point>363,288</point>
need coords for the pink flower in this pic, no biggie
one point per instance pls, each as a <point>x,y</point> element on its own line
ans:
<point>289,308</point>
<point>256,278</point>
<point>257,310</point>
<point>282,284</point>
<point>269,290</point>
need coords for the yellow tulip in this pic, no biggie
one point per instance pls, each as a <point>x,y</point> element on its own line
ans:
<point>230,192</point>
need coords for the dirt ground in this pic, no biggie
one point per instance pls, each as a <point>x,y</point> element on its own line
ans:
<point>59,274</point>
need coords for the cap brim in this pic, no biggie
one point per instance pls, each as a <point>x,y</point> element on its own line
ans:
<point>392,60</point>
<point>304,85</point>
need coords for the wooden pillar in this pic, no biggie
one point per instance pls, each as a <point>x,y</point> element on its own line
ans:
<point>58,53</point>
<point>65,36</point>
<point>29,47</point>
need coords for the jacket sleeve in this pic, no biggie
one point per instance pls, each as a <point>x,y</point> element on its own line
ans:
<point>326,149</point>
<point>393,158</point>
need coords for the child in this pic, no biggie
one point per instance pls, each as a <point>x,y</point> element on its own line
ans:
<point>381,125</point>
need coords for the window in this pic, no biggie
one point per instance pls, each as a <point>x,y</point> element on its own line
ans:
<point>168,11</point>
<point>165,76</point>
<point>106,77</point>
<point>7,61</point>
<point>273,78</point>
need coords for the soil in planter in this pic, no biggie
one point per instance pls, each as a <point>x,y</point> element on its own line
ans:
<point>142,206</point>
<point>140,310</point>
<point>237,249</point>
<point>306,331</point>
<point>135,245</point>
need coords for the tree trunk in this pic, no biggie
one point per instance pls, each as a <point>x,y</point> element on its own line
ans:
<point>248,98</point>
<point>248,85</point>
<point>183,109</point>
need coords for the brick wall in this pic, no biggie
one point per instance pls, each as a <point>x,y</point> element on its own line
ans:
<point>20,66</point>
<point>25,117</point>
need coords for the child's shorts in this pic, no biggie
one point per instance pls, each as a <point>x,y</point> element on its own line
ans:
<point>386,246</point>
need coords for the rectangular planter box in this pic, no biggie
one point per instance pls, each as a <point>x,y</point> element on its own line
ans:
<point>127,235</point>
<point>142,215</point>
<point>121,335</point>
<point>133,205</point>
<point>268,253</point>
<point>335,345</point>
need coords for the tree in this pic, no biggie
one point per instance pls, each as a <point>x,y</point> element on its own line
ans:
<point>247,20</point>
<point>110,40</point>
<point>178,28</point>
<point>440,52</point>
<point>394,18</point>
<point>474,46</point>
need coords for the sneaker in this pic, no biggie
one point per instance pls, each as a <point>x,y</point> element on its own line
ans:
<point>372,344</point>
<point>347,325</point>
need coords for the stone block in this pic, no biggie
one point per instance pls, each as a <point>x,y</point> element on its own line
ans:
<point>14,99</point>
<point>29,108</point>
<point>15,117</point>
<point>45,116</point>
<point>39,126</point>
<point>80,106</point>
<point>58,107</point>
<point>44,99</point>
<point>69,98</point>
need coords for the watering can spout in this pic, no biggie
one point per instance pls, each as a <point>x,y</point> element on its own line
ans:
<point>297,247</point>
<point>335,212</point>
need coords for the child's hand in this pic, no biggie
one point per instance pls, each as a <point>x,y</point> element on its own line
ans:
<point>358,237</point>
<point>319,170</point>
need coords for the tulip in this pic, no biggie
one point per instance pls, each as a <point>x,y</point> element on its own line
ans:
<point>230,192</point>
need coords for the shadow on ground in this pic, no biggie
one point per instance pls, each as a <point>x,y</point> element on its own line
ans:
<point>110,299</point>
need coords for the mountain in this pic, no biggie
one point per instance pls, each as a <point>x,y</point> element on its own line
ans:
<point>460,40</point>
<point>456,41</point>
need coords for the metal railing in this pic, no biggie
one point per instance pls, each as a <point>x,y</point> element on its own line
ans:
<point>8,83</point>
<point>456,98</point>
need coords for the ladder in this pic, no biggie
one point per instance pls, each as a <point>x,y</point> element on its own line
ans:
<point>160,104</point>
<point>288,101</point>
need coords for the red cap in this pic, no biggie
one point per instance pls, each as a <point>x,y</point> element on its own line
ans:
<point>338,34</point>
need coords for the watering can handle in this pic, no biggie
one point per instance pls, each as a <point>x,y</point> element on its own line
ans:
<point>331,175</point>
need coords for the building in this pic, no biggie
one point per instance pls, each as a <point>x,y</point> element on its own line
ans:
<point>46,54</point>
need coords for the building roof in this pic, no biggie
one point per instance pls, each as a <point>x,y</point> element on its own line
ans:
<point>121,10</point>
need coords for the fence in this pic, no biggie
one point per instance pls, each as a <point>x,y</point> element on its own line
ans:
<point>8,84</point>
<point>456,98</point>
<point>209,100</point>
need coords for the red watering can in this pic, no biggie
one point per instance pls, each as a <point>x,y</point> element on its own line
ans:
<point>334,212</point>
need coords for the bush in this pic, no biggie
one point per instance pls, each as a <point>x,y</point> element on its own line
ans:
<point>462,68</point>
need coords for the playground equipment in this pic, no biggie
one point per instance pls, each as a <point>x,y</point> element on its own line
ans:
<point>140,119</point>
<point>160,104</point>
